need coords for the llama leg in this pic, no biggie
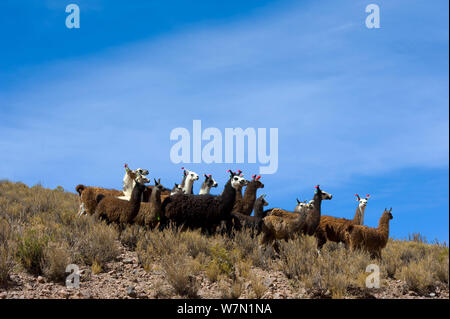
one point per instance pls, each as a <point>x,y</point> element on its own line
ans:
<point>82,210</point>
<point>321,240</point>
<point>276,247</point>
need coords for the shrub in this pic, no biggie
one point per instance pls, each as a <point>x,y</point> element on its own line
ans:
<point>56,258</point>
<point>259,288</point>
<point>418,277</point>
<point>30,251</point>
<point>130,236</point>
<point>233,291</point>
<point>6,252</point>
<point>195,242</point>
<point>6,264</point>
<point>180,275</point>
<point>98,245</point>
<point>221,262</point>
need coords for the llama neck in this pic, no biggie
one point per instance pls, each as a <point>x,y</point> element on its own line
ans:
<point>357,219</point>
<point>128,185</point>
<point>313,218</point>
<point>228,197</point>
<point>205,189</point>
<point>187,188</point>
<point>259,209</point>
<point>250,193</point>
<point>317,200</point>
<point>155,198</point>
<point>383,224</point>
<point>362,209</point>
<point>239,194</point>
<point>135,199</point>
<point>183,182</point>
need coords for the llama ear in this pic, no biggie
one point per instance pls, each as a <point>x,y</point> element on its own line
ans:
<point>357,197</point>
<point>298,202</point>
<point>367,196</point>
<point>257,178</point>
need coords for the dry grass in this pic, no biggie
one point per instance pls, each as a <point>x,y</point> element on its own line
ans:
<point>40,233</point>
<point>45,234</point>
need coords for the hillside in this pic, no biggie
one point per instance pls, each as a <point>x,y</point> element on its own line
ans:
<point>40,235</point>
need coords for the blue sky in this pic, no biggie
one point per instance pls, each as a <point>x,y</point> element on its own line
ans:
<point>358,110</point>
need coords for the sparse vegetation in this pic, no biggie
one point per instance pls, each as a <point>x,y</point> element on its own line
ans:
<point>40,234</point>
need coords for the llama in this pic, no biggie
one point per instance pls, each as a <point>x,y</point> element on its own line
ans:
<point>207,185</point>
<point>281,224</point>
<point>120,211</point>
<point>334,229</point>
<point>189,177</point>
<point>254,223</point>
<point>146,195</point>
<point>260,203</point>
<point>245,205</point>
<point>177,189</point>
<point>150,213</point>
<point>202,211</point>
<point>129,180</point>
<point>88,194</point>
<point>372,240</point>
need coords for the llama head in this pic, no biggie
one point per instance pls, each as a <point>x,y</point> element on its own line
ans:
<point>257,182</point>
<point>262,199</point>
<point>324,195</point>
<point>141,179</point>
<point>209,181</point>
<point>143,172</point>
<point>388,213</point>
<point>137,177</point>
<point>301,205</point>
<point>362,201</point>
<point>177,189</point>
<point>237,180</point>
<point>190,175</point>
<point>135,174</point>
<point>158,184</point>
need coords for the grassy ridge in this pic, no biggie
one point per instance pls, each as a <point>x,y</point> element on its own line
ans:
<point>41,234</point>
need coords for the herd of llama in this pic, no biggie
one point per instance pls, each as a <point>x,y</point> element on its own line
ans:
<point>156,206</point>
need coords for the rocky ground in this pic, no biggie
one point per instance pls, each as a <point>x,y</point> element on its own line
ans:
<point>125,278</point>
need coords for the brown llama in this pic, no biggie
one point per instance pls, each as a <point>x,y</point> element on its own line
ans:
<point>370,239</point>
<point>120,211</point>
<point>150,213</point>
<point>245,205</point>
<point>334,229</point>
<point>281,224</point>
